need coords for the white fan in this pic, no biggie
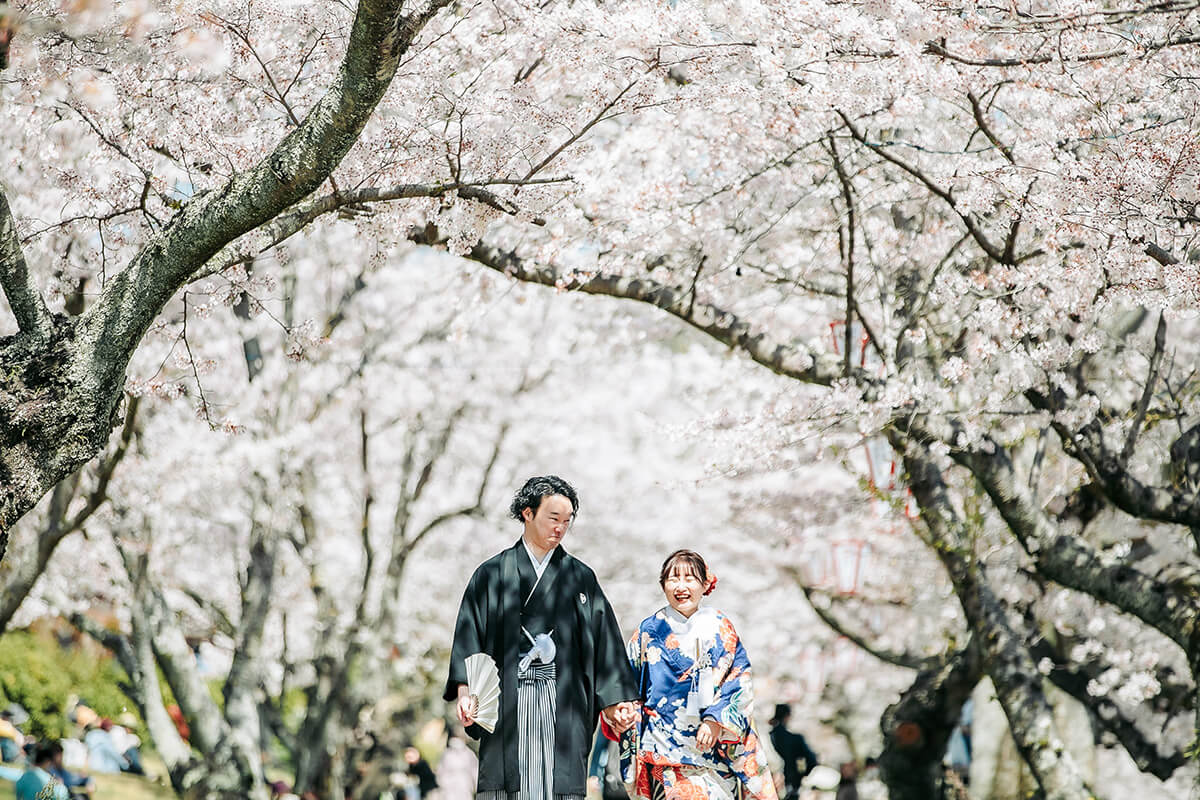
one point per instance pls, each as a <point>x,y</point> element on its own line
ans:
<point>823,778</point>
<point>483,681</point>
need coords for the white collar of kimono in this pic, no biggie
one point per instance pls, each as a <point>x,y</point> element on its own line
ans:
<point>538,566</point>
<point>678,620</point>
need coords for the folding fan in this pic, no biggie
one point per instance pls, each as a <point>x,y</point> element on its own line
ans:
<point>483,682</point>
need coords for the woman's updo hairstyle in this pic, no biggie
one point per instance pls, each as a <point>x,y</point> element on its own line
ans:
<point>694,564</point>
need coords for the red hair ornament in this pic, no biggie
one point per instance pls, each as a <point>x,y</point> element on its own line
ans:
<point>712,583</point>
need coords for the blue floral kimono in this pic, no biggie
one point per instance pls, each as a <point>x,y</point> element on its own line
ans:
<point>693,669</point>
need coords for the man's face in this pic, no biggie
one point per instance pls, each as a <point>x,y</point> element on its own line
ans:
<point>545,530</point>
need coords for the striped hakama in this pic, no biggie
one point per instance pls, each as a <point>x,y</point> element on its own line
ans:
<point>536,700</point>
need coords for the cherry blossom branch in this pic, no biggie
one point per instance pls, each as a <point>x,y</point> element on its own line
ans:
<point>1086,445</point>
<point>791,358</point>
<point>981,121</point>
<point>1069,560</point>
<point>411,495</point>
<point>18,284</point>
<point>846,234</point>
<point>938,49</point>
<point>946,195</point>
<point>898,658</point>
<point>1073,678</point>
<point>297,166</point>
<point>287,225</point>
<point>1160,337</point>
<point>475,509</point>
<point>574,137</point>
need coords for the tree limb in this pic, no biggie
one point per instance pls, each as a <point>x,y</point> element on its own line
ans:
<point>297,166</point>
<point>898,658</point>
<point>18,284</point>
<point>1160,337</point>
<point>968,220</point>
<point>1006,655</point>
<point>1086,445</point>
<point>791,359</point>
<point>1068,560</point>
<point>981,121</point>
<point>1074,679</point>
<point>303,214</point>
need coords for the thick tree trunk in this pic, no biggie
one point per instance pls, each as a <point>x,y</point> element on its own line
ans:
<point>1006,657</point>
<point>229,769</point>
<point>62,381</point>
<point>54,418</point>
<point>917,727</point>
<point>245,674</point>
<point>19,578</point>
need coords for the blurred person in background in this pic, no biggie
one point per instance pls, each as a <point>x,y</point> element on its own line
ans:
<point>37,783</point>
<point>78,784</point>
<point>12,741</point>
<point>419,768</point>
<point>798,757</point>
<point>457,770</point>
<point>125,742</point>
<point>103,755</point>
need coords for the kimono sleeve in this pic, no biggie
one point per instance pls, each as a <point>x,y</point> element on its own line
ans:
<point>468,634</point>
<point>733,705</point>
<point>614,679</point>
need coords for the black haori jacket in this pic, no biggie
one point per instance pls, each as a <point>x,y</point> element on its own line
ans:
<point>591,667</point>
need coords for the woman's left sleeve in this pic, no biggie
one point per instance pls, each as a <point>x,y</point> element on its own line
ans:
<point>733,704</point>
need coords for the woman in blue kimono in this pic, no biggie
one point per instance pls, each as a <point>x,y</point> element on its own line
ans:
<point>696,738</point>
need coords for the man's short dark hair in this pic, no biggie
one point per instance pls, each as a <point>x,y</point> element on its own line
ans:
<point>535,489</point>
<point>47,752</point>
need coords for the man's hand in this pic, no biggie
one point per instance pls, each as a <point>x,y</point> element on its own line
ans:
<point>621,716</point>
<point>468,706</point>
<point>706,737</point>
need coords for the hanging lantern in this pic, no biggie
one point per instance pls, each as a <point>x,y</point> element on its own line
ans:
<point>858,341</point>
<point>813,669</point>
<point>881,463</point>
<point>850,558</point>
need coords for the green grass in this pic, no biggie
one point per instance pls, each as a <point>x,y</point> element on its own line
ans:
<point>114,787</point>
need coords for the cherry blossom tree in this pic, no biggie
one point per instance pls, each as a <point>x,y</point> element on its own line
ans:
<point>1002,211</point>
<point>996,203</point>
<point>290,541</point>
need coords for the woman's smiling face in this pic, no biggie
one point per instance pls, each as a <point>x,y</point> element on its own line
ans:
<point>683,589</point>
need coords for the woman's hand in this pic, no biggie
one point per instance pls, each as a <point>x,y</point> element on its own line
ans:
<point>468,706</point>
<point>621,716</point>
<point>706,737</point>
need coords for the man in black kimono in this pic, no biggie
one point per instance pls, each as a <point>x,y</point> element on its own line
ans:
<point>550,694</point>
